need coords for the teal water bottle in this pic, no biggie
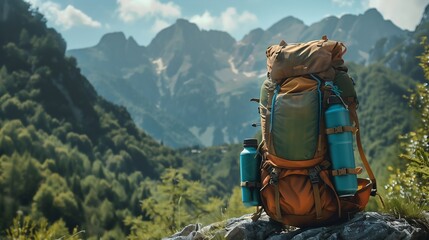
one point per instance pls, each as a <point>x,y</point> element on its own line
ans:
<point>340,144</point>
<point>250,175</point>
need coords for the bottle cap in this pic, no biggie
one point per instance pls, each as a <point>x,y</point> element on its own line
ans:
<point>250,142</point>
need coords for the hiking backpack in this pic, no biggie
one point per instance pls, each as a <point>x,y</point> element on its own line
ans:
<point>296,173</point>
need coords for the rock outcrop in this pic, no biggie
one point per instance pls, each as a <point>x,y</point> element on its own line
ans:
<point>365,225</point>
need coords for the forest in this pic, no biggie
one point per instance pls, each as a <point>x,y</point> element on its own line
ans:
<point>73,165</point>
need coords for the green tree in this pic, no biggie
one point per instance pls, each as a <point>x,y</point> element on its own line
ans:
<point>417,147</point>
<point>20,177</point>
<point>24,227</point>
<point>55,200</point>
<point>107,214</point>
<point>174,202</point>
<point>408,191</point>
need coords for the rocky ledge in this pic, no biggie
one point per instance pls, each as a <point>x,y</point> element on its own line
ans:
<point>365,225</point>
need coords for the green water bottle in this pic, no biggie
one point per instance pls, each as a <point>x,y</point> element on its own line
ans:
<point>250,174</point>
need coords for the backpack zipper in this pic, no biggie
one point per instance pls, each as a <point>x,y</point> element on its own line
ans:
<point>273,101</point>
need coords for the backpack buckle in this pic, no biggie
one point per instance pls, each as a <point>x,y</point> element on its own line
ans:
<point>313,174</point>
<point>374,189</point>
<point>274,175</point>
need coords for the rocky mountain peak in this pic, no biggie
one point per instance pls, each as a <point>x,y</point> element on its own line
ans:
<point>116,41</point>
<point>253,37</point>
<point>373,14</point>
<point>182,36</point>
<point>219,40</point>
<point>287,21</point>
<point>131,43</point>
<point>421,28</point>
<point>180,30</point>
<point>316,30</point>
<point>184,23</point>
<point>113,39</point>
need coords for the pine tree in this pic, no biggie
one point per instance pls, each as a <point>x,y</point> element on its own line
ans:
<point>174,203</point>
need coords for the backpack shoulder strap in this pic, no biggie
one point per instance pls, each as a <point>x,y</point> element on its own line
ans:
<point>354,117</point>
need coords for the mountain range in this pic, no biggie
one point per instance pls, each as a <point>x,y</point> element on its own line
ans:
<point>192,87</point>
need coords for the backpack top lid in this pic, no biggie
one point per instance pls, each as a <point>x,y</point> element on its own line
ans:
<point>297,59</point>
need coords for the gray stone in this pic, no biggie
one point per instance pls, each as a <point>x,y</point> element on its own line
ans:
<point>190,232</point>
<point>365,225</point>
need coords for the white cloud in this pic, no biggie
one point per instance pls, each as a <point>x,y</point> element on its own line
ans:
<point>405,14</point>
<point>65,18</point>
<point>204,21</point>
<point>159,25</point>
<point>131,10</point>
<point>72,16</point>
<point>229,20</point>
<point>343,3</point>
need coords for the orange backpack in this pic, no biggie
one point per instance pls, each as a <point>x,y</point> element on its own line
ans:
<point>296,173</point>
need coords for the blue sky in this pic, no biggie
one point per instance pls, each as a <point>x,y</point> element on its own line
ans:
<point>83,22</point>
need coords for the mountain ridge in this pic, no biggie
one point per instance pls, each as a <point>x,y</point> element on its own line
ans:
<point>400,52</point>
<point>202,72</point>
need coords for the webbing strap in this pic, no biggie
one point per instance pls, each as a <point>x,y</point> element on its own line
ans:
<point>353,115</point>
<point>317,203</point>
<point>313,174</point>
<point>341,129</point>
<point>277,201</point>
<point>345,171</point>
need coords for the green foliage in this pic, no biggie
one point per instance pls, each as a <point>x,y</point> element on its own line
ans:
<point>218,167</point>
<point>24,228</point>
<point>56,201</point>
<point>409,191</point>
<point>405,197</point>
<point>235,206</point>
<point>20,176</point>
<point>175,202</point>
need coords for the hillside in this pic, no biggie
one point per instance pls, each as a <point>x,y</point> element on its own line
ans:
<point>65,152</point>
<point>383,113</point>
<point>132,82</point>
